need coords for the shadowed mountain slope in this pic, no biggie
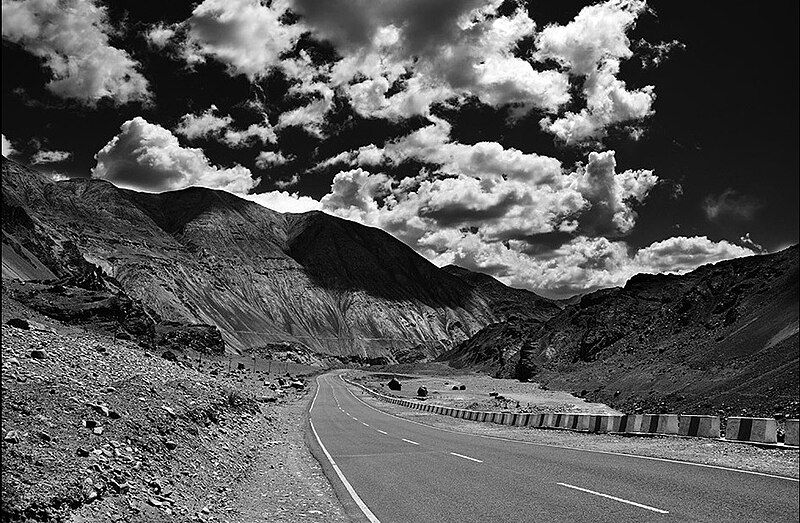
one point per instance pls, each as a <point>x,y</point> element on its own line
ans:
<point>204,256</point>
<point>724,336</point>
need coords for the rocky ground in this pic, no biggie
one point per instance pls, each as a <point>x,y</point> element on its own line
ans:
<point>481,392</point>
<point>783,462</point>
<point>97,429</point>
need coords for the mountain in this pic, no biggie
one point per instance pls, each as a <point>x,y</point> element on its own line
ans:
<point>722,337</point>
<point>204,256</point>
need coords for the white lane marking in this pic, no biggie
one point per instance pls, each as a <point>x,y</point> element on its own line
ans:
<point>409,441</point>
<point>382,432</point>
<point>466,457</point>
<point>355,418</point>
<point>364,424</point>
<point>646,507</point>
<point>356,498</point>
<point>550,445</point>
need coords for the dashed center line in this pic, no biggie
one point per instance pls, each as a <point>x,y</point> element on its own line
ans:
<point>409,441</point>
<point>364,424</point>
<point>466,457</point>
<point>382,432</point>
<point>646,507</point>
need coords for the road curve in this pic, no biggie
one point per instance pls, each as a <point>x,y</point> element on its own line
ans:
<point>399,471</point>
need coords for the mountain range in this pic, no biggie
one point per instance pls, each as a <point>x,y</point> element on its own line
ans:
<point>208,257</point>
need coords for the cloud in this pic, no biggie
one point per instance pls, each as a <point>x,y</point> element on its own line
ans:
<point>50,157</point>
<point>8,147</point>
<point>731,205</point>
<point>681,254</point>
<point>148,157</point>
<point>209,125</point>
<point>283,201</point>
<point>72,38</point>
<point>503,193</point>
<point>267,159</point>
<point>160,34</point>
<point>592,46</point>
<point>247,35</point>
<point>750,244</point>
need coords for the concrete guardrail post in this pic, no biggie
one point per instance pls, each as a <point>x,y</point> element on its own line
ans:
<point>760,430</point>
<point>699,426</point>
<point>791,432</point>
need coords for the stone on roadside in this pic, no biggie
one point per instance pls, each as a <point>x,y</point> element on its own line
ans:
<point>38,354</point>
<point>18,323</point>
<point>394,384</point>
<point>422,391</point>
<point>171,445</point>
<point>12,436</point>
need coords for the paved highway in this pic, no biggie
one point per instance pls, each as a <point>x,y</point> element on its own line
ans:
<point>395,470</point>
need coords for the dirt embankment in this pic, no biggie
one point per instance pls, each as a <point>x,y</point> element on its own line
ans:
<point>100,430</point>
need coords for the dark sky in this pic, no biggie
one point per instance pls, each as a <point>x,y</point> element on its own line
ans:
<point>722,139</point>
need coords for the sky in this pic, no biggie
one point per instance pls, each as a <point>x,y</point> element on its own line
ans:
<point>558,146</point>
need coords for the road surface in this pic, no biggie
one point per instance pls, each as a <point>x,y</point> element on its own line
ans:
<point>395,470</point>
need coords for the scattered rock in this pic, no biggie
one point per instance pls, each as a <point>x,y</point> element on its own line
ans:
<point>89,423</point>
<point>455,387</point>
<point>171,445</point>
<point>169,355</point>
<point>240,366</point>
<point>97,430</point>
<point>422,391</point>
<point>38,354</point>
<point>12,436</point>
<point>462,387</point>
<point>394,384</point>
<point>18,323</point>
<point>81,452</point>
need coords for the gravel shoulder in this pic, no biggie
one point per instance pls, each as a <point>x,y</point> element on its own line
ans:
<point>101,430</point>
<point>696,450</point>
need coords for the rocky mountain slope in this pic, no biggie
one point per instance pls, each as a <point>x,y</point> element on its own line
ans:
<point>208,257</point>
<point>723,337</point>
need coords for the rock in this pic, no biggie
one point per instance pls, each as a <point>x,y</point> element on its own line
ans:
<point>154,502</point>
<point>455,387</point>
<point>462,387</point>
<point>240,366</point>
<point>422,391</point>
<point>18,323</point>
<point>171,445</point>
<point>169,355</point>
<point>13,361</point>
<point>493,393</point>
<point>123,336</point>
<point>82,453</point>
<point>12,436</point>
<point>38,354</point>
<point>44,436</point>
<point>97,430</point>
<point>89,423</point>
<point>205,510</point>
<point>169,411</point>
<point>394,384</point>
<point>298,384</point>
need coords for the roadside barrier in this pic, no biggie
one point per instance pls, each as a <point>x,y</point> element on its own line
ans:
<point>700,426</point>
<point>791,432</point>
<point>759,430</point>
<point>755,430</point>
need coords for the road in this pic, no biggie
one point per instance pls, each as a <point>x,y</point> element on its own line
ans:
<point>396,470</point>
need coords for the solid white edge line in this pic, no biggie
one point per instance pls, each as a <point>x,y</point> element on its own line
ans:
<point>511,440</point>
<point>646,507</point>
<point>382,432</point>
<point>466,457</point>
<point>350,490</point>
<point>409,441</point>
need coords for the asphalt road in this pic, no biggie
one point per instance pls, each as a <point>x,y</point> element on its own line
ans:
<point>395,470</point>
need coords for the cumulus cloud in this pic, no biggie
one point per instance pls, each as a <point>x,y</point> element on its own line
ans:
<point>159,35</point>
<point>50,157</point>
<point>504,193</point>
<point>72,38</point>
<point>247,35</point>
<point>681,254</point>
<point>592,46</point>
<point>210,125</point>
<point>267,159</point>
<point>148,157</point>
<point>8,147</point>
<point>730,205</point>
<point>283,201</point>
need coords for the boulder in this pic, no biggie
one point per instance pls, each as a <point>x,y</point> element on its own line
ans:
<point>169,355</point>
<point>38,354</point>
<point>422,391</point>
<point>18,323</point>
<point>455,387</point>
<point>394,384</point>
<point>462,387</point>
